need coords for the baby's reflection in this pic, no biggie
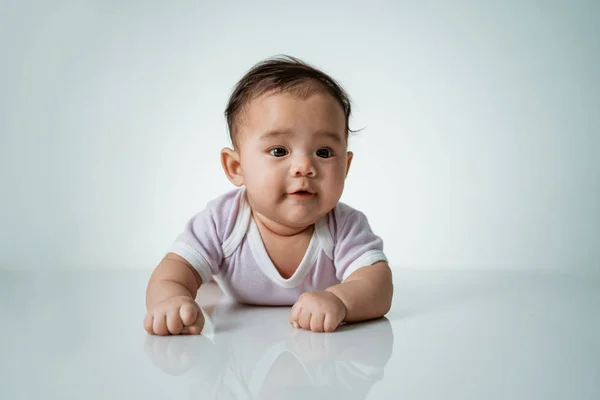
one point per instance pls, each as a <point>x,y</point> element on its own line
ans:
<point>248,353</point>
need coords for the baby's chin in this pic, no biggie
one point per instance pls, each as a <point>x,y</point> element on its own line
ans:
<point>289,215</point>
<point>302,216</point>
<point>295,220</point>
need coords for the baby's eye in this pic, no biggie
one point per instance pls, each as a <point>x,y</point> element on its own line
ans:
<point>324,153</point>
<point>278,152</point>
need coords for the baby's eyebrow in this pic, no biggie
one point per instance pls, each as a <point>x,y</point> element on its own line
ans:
<point>332,135</point>
<point>275,133</point>
<point>272,134</point>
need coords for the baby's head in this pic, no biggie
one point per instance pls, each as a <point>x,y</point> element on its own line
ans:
<point>288,123</point>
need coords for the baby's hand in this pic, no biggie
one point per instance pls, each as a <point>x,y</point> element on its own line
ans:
<point>318,312</point>
<point>175,315</point>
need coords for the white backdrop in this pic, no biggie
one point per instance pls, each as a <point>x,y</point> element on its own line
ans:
<point>481,119</point>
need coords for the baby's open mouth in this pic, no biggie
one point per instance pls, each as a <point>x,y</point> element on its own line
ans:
<point>301,193</point>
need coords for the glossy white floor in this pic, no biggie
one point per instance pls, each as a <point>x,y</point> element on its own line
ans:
<point>450,335</point>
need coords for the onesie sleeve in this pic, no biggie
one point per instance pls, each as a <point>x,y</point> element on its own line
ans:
<point>199,244</point>
<point>356,245</point>
<point>206,234</point>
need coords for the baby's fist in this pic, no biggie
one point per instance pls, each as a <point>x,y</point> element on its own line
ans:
<point>318,311</point>
<point>173,316</point>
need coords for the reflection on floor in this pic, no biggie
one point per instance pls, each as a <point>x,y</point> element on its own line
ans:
<point>247,353</point>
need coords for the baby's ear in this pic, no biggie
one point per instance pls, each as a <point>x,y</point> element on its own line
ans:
<point>349,155</point>
<point>230,160</point>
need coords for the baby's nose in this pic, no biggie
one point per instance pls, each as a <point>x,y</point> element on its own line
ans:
<point>303,166</point>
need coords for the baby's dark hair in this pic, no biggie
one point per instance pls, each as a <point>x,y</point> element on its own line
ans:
<point>281,74</point>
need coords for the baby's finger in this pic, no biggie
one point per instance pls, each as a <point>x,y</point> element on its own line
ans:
<point>330,324</point>
<point>188,314</point>
<point>148,320</point>
<point>316,322</point>
<point>174,323</point>
<point>295,314</point>
<point>195,329</point>
<point>304,320</point>
<point>160,325</point>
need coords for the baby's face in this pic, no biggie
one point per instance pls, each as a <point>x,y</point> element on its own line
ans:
<point>293,157</point>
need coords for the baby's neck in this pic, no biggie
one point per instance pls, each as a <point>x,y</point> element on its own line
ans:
<point>275,228</point>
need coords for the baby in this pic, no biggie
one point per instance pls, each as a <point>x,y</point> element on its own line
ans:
<point>281,237</point>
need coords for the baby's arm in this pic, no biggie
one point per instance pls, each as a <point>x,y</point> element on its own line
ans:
<point>170,298</point>
<point>366,293</point>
